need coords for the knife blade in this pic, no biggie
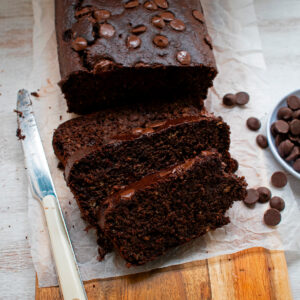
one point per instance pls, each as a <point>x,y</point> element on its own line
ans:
<point>43,189</point>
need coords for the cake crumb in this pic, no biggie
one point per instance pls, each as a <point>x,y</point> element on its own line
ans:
<point>19,113</point>
<point>34,94</point>
<point>19,134</point>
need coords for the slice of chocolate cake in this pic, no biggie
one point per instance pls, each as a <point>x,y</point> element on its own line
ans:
<point>170,208</point>
<point>94,173</point>
<point>114,52</point>
<point>97,128</point>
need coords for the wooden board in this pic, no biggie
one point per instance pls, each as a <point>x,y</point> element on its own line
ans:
<point>251,274</point>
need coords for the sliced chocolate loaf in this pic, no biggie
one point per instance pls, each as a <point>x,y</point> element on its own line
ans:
<point>170,208</point>
<point>94,173</point>
<point>115,52</point>
<point>97,128</point>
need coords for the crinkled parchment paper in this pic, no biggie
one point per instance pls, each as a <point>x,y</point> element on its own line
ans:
<point>232,25</point>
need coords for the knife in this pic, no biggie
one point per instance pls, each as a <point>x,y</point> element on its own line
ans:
<point>43,189</point>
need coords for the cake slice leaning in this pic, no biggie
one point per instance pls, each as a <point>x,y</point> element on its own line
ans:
<point>95,173</point>
<point>170,208</point>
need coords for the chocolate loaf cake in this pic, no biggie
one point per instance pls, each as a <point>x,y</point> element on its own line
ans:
<point>97,128</point>
<point>170,208</point>
<point>94,173</point>
<point>115,52</point>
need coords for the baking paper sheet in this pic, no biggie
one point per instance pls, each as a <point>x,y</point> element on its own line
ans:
<point>232,25</point>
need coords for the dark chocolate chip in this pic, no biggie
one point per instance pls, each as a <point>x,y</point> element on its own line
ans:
<point>82,12</point>
<point>132,4</point>
<point>158,22</point>
<point>242,98</point>
<point>279,139</point>
<point>277,203</point>
<point>104,65</point>
<point>296,165</point>
<point>133,42</point>
<point>184,58</point>
<point>285,148</point>
<point>79,44</point>
<point>296,114</point>
<point>295,127</point>
<point>294,154</point>
<point>177,25</point>
<point>273,131</point>
<point>293,102</point>
<point>139,29</point>
<point>101,15</point>
<point>67,35</point>
<point>229,100</point>
<point>161,41</point>
<point>279,179</point>
<point>150,5</point>
<point>272,217</point>
<point>167,16</point>
<point>252,197</point>
<point>253,124</point>
<point>284,113</point>
<point>281,127</point>
<point>106,31</point>
<point>162,3</point>
<point>262,141</point>
<point>208,41</point>
<point>198,16</point>
<point>264,194</point>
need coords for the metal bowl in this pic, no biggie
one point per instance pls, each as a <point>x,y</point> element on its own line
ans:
<point>271,140</point>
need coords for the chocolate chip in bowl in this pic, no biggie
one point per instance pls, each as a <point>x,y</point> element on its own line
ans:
<point>283,133</point>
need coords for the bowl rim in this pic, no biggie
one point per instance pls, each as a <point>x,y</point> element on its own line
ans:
<point>270,137</point>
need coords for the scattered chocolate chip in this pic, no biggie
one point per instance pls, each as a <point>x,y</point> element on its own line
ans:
<point>198,16</point>
<point>253,124</point>
<point>285,148</point>
<point>295,127</point>
<point>67,35</point>
<point>79,44</point>
<point>273,131</point>
<point>177,25</point>
<point>19,134</point>
<point>279,179</point>
<point>296,165</point>
<point>161,41</point>
<point>294,154</point>
<point>252,197</point>
<point>293,102</point>
<point>167,16</point>
<point>184,57</point>
<point>133,42</point>
<point>242,98</point>
<point>262,141</point>
<point>132,4</point>
<point>60,166</point>
<point>150,5</point>
<point>264,194</point>
<point>106,31</point>
<point>229,99</point>
<point>284,113</point>
<point>208,41</point>
<point>162,3</point>
<point>281,127</point>
<point>277,203</point>
<point>139,29</point>
<point>158,22</point>
<point>296,114</point>
<point>82,12</point>
<point>101,15</point>
<point>272,217</point>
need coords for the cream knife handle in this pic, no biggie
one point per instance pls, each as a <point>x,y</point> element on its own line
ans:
<point>66,266</point>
